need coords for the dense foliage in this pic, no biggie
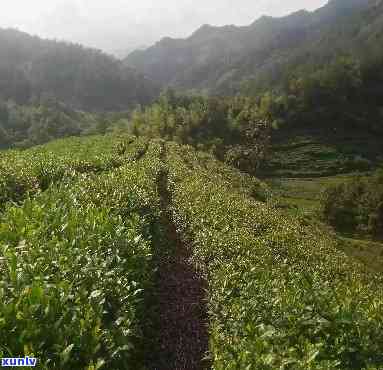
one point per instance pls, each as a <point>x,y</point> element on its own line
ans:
<point>25,126</point>
<point>81,220</point>
<point>320,72</point>
<point>342,95</point>
<point>76,257</point>
<point>87,223</point>
<point>356,205</point>
<point>232,129</point>
<point>280,294</point>
<point>337,106</point>
<point>314,80</point>
<point>326,120</point>
<point>29,172</point>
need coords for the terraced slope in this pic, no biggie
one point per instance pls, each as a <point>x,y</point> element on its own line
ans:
<point>124,253</point>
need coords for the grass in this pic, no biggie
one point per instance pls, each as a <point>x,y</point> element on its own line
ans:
<point>301,197</point>
<point>299,153</point>
<point>368,252</point>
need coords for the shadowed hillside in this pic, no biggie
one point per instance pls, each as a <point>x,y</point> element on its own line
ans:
<point>219,59</point>
<point>32,68</point>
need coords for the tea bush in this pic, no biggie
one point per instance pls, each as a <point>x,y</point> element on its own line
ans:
<point>33,170</point>
<point>75,263</point>
<point>281,296</point>
<point>356,206</point>
<point>218,171</point>
<point>81,222</point>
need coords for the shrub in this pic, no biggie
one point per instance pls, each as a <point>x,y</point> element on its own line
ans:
<point>356,206</point>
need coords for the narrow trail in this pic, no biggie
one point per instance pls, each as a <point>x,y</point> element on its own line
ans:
<point>182,313</point>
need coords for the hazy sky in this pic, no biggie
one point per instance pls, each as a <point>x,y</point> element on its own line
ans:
<point>123,24</point>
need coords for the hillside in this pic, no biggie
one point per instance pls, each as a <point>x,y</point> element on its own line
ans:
<point>32,69</point>
<point>121,253</point>
<point>220,59</point>
<point>23,126</point>
<point>179,231</point>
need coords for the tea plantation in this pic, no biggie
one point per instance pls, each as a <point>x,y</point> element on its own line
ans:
<point>125,253</point>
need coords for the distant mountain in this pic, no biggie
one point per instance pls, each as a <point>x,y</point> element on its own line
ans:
<point>32,68</point>
<point>219,59</point>
<point>124,53</point>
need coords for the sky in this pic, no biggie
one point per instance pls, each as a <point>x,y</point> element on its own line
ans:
<point>117,26</point>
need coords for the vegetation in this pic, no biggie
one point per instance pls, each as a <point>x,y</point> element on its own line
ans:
<point>279,292</point>
<point>153,245</point>
<point>340,94</point>
<point>25,126</point>
<point>309,103</point>
<point>322,123</point>
<point>29,172</point>
<point>220,60</point>
<point>32,69</point>
<point>232,129</point>
<point>325,122</point>
<point>76,257</point>
<point>356,206</point>
<point>295,83</point>
<point>80,227</point>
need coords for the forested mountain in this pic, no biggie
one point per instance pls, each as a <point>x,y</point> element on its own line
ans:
<point>220,59</point>
<point>318,71</point>
<point>32,69</point>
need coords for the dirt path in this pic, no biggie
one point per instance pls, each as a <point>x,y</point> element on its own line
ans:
<point>181,315</point>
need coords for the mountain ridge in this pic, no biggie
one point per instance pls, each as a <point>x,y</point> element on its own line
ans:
<point>212,58</point>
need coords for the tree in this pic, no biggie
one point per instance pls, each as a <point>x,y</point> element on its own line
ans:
<point>4,113</point>
<point>4,138</point>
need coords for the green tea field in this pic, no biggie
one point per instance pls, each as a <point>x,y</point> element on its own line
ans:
<point>125,253</point>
